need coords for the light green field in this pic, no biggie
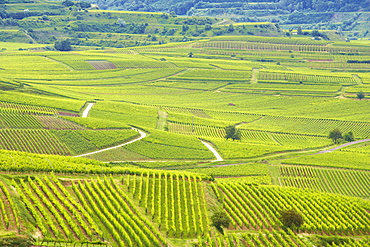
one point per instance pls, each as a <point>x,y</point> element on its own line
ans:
<point>11,47</point>
<point>283,109</point>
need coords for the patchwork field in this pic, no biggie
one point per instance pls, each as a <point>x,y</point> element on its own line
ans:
<point>157,125</point>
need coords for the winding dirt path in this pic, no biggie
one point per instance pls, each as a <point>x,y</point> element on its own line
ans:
<point>215,153</point>
<point>87,110</point>
<point>341,146</point>
<point>142,135</point>
<point>297,152</point>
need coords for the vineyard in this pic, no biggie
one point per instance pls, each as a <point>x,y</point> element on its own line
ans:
<point>184,214</point>
<point>262,202</point>
<point>266,76</point>
<point>33,141</point>
<point>82,141</point>
<point>340,181</point>
<point>152,208</point>
<point>251,136</point>
<point>117,213</point>
<point>189,118</point>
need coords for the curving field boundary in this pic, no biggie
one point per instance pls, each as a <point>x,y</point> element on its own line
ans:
<point>142,135</point>
<point>341,146</point>
<point>216,154</point>
<point>87,110</point>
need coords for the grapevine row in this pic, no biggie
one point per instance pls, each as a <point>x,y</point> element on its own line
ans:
<point>177,204</point>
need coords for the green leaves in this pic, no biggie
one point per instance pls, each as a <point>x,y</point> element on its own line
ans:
<point>291,218</point>
<point>233,133</point>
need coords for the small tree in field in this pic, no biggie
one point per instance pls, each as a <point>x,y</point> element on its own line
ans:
<point>336,135</point>
<point>360,95</point>
<point>299,30</point>
<point>349,137</point>
<point>291,218</point>
<point>219,220</point>
<point>232,133</point>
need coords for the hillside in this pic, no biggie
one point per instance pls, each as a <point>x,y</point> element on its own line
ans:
<point>234,7</point>
<point>47,22</point>
<point>122,128</point>
<point>344,15</point>
<point>138,207</point>
<point>283,95</point>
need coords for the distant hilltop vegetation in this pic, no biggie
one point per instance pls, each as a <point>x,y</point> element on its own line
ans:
<point>234,7</point>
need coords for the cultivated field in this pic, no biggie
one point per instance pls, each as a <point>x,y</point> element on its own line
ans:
<point>284,96</point>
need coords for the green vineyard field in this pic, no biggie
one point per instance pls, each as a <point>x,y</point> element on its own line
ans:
<point>340,181</point>
<point>156,127</point>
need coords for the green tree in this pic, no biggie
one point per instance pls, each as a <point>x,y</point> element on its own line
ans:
<point>349,137</point>
<point>63,45</point>
<point>83,5</point>
<point>184,28</point>
<point>231,28</point>
<point>219,219</point>
<point>232,133</point>
<point>291,218</point>
<point>335,135</point>
<point>299,30</point>
<point>68,3</point>
<point>360,95</point>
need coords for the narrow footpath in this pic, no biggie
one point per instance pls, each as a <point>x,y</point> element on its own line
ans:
<point>341,146</point>
<point>142,135</point>
<point>215,153</point>
<point>304,153</point>
<point>87,110</point>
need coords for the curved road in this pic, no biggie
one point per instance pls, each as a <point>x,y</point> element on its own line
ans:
<point>216,154</point>
<point>341,146</point>
<point>321,152</point>
<point>142,135</point>
<point>87,110</point>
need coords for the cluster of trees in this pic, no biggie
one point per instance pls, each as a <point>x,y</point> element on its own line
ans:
<point>24,14</point>
<point>325,6</point>
<point>81,5</point>
<point>182,7</point>
<point>300,17</point>
<point>118,27</point>
<point>337,136</point>
<point>8,22</point>
<point>63,45</point>
<point>358,61</point>
<point>233,133</point>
